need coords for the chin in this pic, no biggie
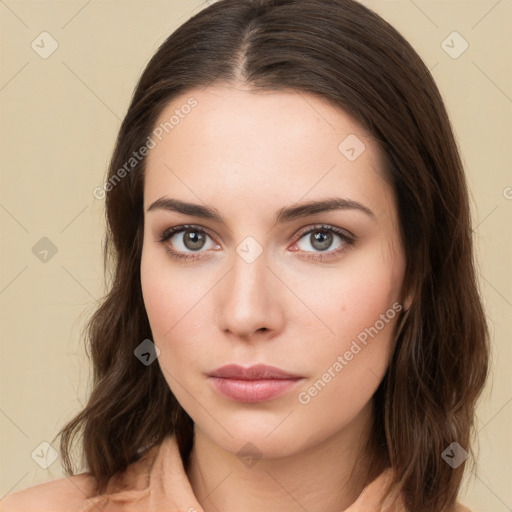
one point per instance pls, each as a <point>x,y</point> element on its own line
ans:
<point>258,438</point>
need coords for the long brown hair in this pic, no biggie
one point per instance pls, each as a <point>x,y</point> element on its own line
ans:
<point>347,54</point>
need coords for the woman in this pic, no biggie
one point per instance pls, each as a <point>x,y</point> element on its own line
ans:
<point>294,321</point>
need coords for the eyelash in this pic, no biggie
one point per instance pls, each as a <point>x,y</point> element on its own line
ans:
<point>347,241</point>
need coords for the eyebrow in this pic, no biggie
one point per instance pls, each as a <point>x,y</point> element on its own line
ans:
<point>285,214</point>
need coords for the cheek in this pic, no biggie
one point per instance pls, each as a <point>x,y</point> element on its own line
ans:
<point>358,347</point>
<point>166,291</point>
<point>176,307</point>
<point>360,307</point>
<point>158,299</point>
<point>349,366</point>
<point>165,300</point>
<point>352,297</point>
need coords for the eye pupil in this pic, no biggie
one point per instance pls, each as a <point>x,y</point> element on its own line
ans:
<point>193,240</point>
<point>321,240</point>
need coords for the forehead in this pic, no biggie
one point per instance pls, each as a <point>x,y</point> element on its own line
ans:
<point>226,143</point>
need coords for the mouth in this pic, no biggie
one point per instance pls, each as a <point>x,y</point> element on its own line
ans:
<point>257,383</point>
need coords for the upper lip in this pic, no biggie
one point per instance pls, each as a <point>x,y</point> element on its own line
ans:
<point>256,372</point>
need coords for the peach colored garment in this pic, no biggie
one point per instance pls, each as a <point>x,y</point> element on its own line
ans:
<point>155,483</point>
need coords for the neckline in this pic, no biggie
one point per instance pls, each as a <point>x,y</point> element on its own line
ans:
<point>159,477</point>
<point>170,461</point>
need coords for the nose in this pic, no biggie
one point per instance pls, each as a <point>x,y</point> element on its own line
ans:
<point>249,300</point>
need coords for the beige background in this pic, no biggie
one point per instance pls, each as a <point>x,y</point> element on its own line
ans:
<point>59,119</point>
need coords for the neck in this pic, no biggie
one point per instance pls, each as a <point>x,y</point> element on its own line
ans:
<point>327,476</point>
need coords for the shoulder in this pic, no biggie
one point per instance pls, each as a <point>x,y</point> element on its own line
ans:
<point>64,494</point>
<point>459,507</point>
<point>79,492</point>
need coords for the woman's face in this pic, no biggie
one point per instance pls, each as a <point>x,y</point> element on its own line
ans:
<point>314,291</point>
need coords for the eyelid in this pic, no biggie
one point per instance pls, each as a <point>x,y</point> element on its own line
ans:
<point>179,255</point>
<point>183,227</point>
<point>347,241</point>
<point>326,227</point>
<point>346,236</point>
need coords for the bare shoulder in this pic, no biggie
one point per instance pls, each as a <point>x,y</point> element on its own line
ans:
<point>68,493</point>
<point>459,507</point>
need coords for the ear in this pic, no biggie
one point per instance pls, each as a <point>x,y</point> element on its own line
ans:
<point>408,300</point>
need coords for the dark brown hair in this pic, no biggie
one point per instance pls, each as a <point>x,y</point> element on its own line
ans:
<point>348,55</point>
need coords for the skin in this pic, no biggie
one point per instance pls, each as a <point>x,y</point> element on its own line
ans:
<point>248,155</point>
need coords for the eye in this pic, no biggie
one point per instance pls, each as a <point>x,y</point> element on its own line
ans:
<point>187,238</point>
<point>321,239</point>
<point>190,240</point>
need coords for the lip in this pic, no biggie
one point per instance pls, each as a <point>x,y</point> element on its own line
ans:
<point>257,383</point>
<point>255,372</point>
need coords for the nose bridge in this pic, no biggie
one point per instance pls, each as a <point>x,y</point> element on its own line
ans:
<point>248,299</point>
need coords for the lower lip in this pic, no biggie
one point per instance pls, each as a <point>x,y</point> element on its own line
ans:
<point>250,391</point>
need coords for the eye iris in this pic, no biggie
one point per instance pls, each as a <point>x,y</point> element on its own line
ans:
<point>321,240</point>
<point>193,240</point>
